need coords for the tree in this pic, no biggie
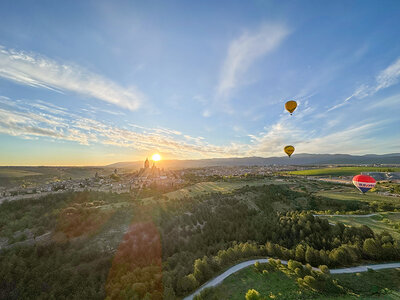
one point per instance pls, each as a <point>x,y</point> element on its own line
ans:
<point>202,270</point>
<point>371,248</point>
<point>139,288</point>
<point>340,256</point>
<point>293,265</point>
<point>270,248</point>
<point>300,253</point>
<point>188,283</point>
<point>169,293</point>
<point>311,256</point>
<point>324,269</point>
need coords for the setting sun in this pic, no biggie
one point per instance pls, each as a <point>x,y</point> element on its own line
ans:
<point>156,157</point>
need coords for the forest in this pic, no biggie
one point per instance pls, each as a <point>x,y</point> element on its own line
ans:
<point>107,246</point>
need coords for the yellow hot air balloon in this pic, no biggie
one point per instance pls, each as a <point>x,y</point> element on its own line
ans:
<point>291,106</point>
<point>289,150</point>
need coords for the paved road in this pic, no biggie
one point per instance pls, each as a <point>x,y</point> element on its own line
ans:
<point>217,280</point>
<point>365,268</point>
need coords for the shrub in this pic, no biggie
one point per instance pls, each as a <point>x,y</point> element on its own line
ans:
<point>324,269</point>
<point>253,295</point>
<point>310,281</point>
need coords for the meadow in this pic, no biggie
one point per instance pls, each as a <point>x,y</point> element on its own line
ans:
<point>342,171</point>
<point>278,285</point>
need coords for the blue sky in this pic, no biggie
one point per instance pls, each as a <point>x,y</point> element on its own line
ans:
<point>95,82</point>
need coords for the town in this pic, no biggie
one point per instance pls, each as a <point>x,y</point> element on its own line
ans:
<point>132,181</point>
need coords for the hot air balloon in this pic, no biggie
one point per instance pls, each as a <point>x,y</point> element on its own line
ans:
<point>289,150</point>
<point>291,106</point>
<point>364,182</point>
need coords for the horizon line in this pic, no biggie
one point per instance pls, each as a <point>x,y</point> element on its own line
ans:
<point>195,159</point>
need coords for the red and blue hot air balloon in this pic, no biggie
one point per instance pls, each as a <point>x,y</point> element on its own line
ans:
<point>364,182</point>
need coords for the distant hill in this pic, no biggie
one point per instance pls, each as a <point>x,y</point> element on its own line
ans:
<point>299,159</point>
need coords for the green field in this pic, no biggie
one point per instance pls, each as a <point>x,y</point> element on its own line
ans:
<point>378,223</point>
<point>384,284</point>
<point>203,188</point>
<point>236,286</point>
<point>342,171</point>
<point>352,194</point>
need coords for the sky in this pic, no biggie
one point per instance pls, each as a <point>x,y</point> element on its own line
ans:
<point>98,82</point>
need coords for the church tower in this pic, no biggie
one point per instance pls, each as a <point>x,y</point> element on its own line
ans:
<point>147,164</point>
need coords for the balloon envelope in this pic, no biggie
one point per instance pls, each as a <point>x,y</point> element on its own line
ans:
<point>289,150</point>
<point>364,182</point>
<point>291,106</point>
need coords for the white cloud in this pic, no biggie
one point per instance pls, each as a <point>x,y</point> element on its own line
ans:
<point>39,71</point>
<point>274,138</point>
<point>338,105</point>
<point>355,139</point>
<point>385,78</point>
<point>244,51</point>
<point>389,76</point>
<point>29,120</point>
<point>361,92</point>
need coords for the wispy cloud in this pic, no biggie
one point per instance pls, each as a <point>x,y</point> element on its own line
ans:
<point>33,119</point>
<point>244,51</point>
<point>272,140</point>
<point>353,139</point>
<point>39,71</point>
<point>386,78</point>
<point>389,76</point>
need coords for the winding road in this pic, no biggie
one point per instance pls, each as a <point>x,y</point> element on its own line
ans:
<point>217,280</point>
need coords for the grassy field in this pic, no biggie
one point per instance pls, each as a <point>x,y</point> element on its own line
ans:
<point>342,171</point>
<point>368,285</point>
<point>352,194</point>
<point>383,284</point>
<point>377,223</point>
<point>277,283</point>
<point>216,187</point>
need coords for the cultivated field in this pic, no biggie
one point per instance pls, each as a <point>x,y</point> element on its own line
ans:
<point>216,187</point>
<point>352,194</point>
<point>342,171</point>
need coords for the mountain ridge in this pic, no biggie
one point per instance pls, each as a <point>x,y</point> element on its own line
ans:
<point>299,159</point>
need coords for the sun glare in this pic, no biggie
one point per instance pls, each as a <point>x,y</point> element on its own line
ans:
<point>156,157</point>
